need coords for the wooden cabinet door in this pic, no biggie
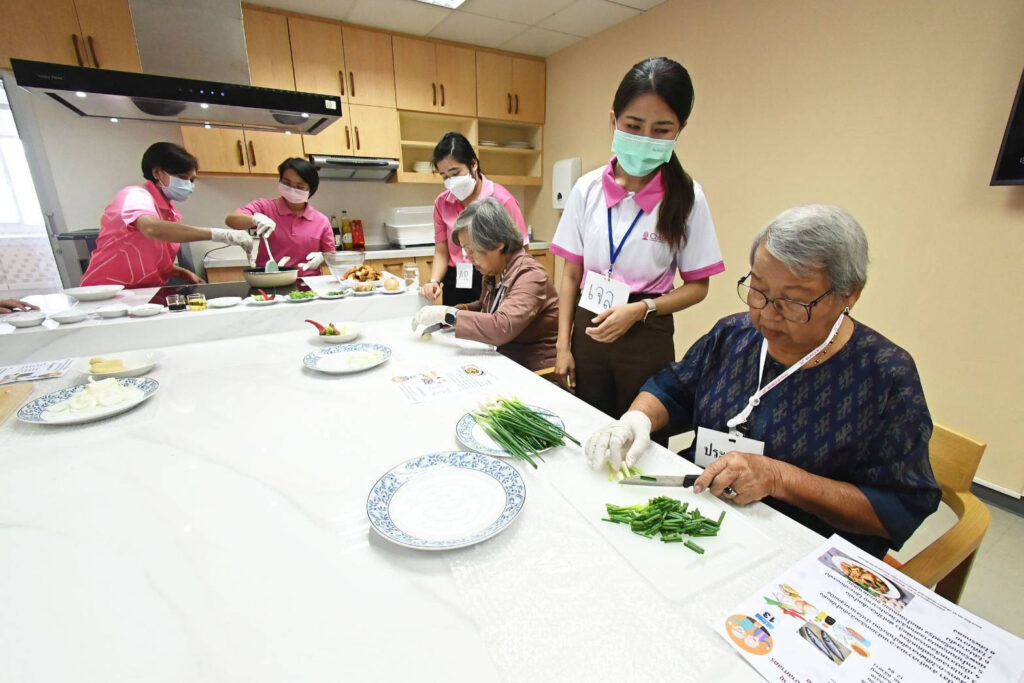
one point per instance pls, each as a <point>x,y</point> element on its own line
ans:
<point>335,139</point>
<point>456,80</point>
<point>426,263</point>
<point>267,150</point>
<point>219,150</point>
<point>493,86</point>
<point>528,90</point>
<point>43,30</point>
<point>318,59</point>
<point>416,85</point>
<point>371,67</point>
<point>269,49</point>
<point>109,34</point>
<point>545,258</point>
<point>375,131</point>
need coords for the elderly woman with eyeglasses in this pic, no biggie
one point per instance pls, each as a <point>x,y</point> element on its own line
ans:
<point>794,402</point>
<point>518,307</point>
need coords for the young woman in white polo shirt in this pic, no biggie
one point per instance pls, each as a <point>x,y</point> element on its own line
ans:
<point>637,221</point>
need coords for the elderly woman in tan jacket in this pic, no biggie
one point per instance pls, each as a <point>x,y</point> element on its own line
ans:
<point>518,307</point>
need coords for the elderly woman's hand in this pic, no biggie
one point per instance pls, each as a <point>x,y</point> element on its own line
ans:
<point>616,321</point>
<point>751,476</point>
<point>11,305</point>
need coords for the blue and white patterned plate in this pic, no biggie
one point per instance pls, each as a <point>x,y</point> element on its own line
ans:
<point>471,435</point>
<point>35,411</point>
<point>445,500</point>
<point>346,358</point>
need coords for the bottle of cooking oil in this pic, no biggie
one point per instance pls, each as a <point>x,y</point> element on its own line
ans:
<point>346,231</point>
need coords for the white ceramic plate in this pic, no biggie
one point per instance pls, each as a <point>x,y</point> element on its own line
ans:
<point>344,293</point>
<point>367,293</point>
<point>112,311</point>
<point>352,331</point>
<point>135,363</point>
<point>36,412</point>
<point>347,358</point>
<point>224,302</point>
<point>471,435</point>
<point>69,316</point>
<point>299,301</point>
<point>254,302</point>
<point>25,318</point>
<point>94,293</point>
<point>146,310</point>
<point>446,500</point>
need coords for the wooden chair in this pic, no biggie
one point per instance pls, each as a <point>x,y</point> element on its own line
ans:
<point>946,563</point>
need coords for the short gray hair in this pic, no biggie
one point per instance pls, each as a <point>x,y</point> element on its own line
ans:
<point>489,226</point>
<point>818,236</point>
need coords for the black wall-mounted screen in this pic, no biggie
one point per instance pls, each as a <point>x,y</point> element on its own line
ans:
<point>1010,162</point>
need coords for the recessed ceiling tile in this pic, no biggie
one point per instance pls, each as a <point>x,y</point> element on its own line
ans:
<point>330,9</point>
<point>471,28</point>
<point>540,42</point>
<point>404,16</point>
<point>587,17</point>
<point>522,11</point>
<point>640,4</point>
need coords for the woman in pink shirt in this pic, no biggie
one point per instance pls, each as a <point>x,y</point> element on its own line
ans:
<point>140,230</point>
<point>292,227</point>
<point>465,183</point>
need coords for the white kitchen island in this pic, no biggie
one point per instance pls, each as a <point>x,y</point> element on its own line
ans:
<point>218,532</point>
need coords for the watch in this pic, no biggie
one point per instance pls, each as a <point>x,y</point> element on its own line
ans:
<point>450,315</point>
<point>651,308</point>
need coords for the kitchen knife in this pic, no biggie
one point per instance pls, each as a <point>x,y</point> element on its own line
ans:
<point>661,480</point>
<point>431,329</point>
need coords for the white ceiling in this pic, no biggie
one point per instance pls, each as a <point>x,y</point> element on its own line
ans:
<point>536,27</point>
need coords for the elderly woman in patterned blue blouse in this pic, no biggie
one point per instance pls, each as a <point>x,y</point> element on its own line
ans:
<point>845,435</point>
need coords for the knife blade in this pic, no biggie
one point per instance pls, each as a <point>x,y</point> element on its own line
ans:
<point>430,329</point>
<point>685,481</point>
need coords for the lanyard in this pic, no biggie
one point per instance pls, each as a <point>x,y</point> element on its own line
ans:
<point>498,296</point>
<point>613,252</point>
<point>755,400</point>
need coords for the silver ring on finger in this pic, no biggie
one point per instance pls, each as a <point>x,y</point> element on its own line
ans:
<point>729,492</point>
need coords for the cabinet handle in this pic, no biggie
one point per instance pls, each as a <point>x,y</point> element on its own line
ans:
<point>348,138</point>
<point>341,77</point>
<point>517,103</point>
<point>358,146</point>
<point>78,51</point>
<point>351,84</point>
<point>509,102</point>
<point>241,154</point>
<point>442,94</point>
<point>433,88</point>
<point>92,49</point>
<point>252,154</point>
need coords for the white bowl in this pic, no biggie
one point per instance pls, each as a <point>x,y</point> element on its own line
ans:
<point>135,363</point>
<point>72,315</point>
<point>224,302</point>
<point>94,293</point>
<point>25,318</point>
<point>112,311</point>
<point>352,331</point>
<point>146,310</point>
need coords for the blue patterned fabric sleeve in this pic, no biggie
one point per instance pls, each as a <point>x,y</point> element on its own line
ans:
<point>675,386</point>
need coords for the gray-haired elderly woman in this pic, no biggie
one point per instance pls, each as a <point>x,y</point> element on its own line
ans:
<point>518,307</point>
<point>836,408</point>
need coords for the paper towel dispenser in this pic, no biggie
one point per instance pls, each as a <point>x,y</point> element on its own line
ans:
<point>564,175</point>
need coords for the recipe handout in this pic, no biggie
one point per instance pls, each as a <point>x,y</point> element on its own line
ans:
<point>842,615</point>
<point>31,372</point>
<point>431,384</point>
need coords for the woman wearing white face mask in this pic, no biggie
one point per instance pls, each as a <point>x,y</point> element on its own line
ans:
<point>458,164</point>
<point>630,227</point>
<point>291,225</point>
<point>140,230</point>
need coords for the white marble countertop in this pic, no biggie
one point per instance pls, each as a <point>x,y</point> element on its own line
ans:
<point>218,532</point>
<point>374,253</point>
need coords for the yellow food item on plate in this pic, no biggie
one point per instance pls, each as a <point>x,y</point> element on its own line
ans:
<point>392,284</point>
<point>102,365</point>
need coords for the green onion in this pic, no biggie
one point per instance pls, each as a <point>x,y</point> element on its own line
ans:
<point>667,517</point>
<point>519,430</point>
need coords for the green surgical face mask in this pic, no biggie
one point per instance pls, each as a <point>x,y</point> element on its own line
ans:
<point>639,155</point>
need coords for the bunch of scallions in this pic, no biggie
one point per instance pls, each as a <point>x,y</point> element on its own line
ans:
<point>667,517</point>
<point>519,429</point>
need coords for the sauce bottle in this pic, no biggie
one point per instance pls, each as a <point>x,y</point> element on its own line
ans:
<point>358,238</point>
<point>346,232</point>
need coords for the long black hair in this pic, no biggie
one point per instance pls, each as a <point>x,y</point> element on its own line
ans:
<point>670,81</point>
<point>172,158</point>
<point>456,146</point>
<point>306,171</point>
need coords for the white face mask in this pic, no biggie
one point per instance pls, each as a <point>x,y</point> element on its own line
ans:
<point>177,189</point>
<point>461,186</point>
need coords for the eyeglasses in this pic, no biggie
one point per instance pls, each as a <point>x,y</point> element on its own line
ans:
<point>793,311</point>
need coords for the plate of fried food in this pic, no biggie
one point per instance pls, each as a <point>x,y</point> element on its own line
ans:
<point>363,274</point>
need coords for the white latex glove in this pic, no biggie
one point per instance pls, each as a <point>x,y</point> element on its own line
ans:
<point>428,315</point>
<point>314,260</point>
<point>622,441</point>
<point>264,224</point>
<point>239,238</point>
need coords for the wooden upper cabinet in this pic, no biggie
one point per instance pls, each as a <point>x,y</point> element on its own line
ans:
<point>494,86</point>
<point>269,49</point>
<point>335,139</point>
<point>266,150</point>
<point>109,34</point>
<point>318,58</point>
<point>415,74</point>
<point>370,67</point>
<point>375,131</point>
<point>528,90</point>
<point>456,79</point>
<point>219,150</point>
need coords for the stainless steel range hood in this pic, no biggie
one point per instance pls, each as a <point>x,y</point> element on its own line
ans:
<point>125,95</point>
<point>353,168</point>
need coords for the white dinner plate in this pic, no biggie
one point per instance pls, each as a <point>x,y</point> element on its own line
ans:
<point>299,301</point>
<point>224,302</point>
<point>267,302</point>
<point>445,500</point>
<point>35,411</point>
<point>95,292</point>
<point>346,358</point>
<point>352,331</point>
<point>344,293</point>
<point>24,318</point>
<point>70,316</point>
<point>146,310</point>
<point>135,363</point>
<point>112,311</point>
<point>471,435</point>
<point>367,293</point>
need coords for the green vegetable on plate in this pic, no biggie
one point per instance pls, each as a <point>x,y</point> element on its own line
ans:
<point>518,429</point>
<point>667,517</point>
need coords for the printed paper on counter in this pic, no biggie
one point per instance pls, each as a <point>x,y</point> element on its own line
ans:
<point>33,372</point>
<point>431,384</point>
<point>841,614</point>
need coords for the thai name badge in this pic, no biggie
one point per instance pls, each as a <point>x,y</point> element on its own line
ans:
<point>463,276</point>
<point>600,292</point>
<point>713,444</point>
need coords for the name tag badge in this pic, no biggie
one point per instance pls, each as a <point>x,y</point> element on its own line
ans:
<point>713,444</point>
<point>463,275</point>
<point>600,292</point>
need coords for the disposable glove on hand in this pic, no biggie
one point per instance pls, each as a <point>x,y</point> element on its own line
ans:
<point>314,260</point>
<point>622,441</point>
<point>428,315</point>
<point>264,225</point>
<point>239,238</point>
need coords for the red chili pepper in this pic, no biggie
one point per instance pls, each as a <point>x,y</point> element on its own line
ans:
<point>266,297</point>
<point>320,328</point>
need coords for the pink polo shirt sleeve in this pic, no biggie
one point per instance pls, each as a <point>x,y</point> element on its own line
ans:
<point>568,239</point>
<point>701,256</point>
<point>264,206</point>
<point>132,203</point>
